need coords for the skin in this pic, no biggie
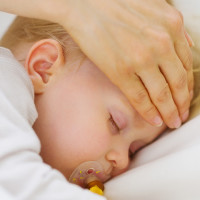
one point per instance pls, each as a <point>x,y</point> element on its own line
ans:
<point>83,116</point>
<point>146,48</point>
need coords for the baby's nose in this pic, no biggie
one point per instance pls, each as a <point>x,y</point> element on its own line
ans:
<point>120,160</point>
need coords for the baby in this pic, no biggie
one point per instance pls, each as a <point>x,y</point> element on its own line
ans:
<point>84,121</point>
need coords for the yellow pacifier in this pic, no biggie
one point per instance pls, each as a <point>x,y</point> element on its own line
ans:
<point>90,175</point>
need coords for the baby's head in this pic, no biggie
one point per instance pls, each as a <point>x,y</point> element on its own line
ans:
<point>83,116</point>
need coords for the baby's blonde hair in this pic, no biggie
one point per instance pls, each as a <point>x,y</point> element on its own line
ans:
<point>32,30</point>
<point>28,30</point>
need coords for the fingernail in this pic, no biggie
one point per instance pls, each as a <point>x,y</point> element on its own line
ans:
<point>177,122</point>
<point>185,116</point>
<point>191,94</point>
<point>158,121</point>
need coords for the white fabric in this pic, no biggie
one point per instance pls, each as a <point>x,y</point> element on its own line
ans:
<point>23,175</point>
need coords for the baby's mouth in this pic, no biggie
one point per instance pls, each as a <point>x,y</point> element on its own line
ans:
<point>88,172</point>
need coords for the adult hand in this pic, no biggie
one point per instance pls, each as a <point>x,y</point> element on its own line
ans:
<point>140,45</point>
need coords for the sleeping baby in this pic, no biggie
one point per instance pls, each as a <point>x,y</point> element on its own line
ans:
<point>87,128</point>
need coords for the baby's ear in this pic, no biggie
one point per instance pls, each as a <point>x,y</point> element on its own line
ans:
<point>44,60</point>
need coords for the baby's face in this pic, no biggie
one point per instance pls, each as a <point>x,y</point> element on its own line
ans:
<point>84,117</point>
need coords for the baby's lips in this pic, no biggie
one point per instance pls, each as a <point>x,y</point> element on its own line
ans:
<point>109,171</point>
<point>117,172</point>
<point>106,175</point>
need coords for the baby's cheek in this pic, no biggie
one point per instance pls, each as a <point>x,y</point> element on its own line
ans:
<point>97,147</point>
<point>88,149</point>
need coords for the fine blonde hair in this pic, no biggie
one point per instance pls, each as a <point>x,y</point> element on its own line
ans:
<point>32,30</point>
<point>28,30</point>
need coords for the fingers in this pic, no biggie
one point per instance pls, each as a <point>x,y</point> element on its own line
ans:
<point>137,94</point>
<point>190,83</point>
<point>177,78</point>
<point>166,91</point>
<point>189,39</point>
<point>160,93</point>
<point>185,55</point>
<point>182,44</point>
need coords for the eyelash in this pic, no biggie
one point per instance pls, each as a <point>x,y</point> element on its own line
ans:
<point>117,129</point>
<point>114,125</point>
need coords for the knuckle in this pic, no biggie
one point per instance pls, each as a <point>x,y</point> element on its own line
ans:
<point>140,96</point>
<point>175,20</point>
<point>164,43</point>
<point>180,15</point>
<point>164,37</point>
<point>172,114</point>
<point>141,56</point>
<point>125,67</point>
<point>164,94</point>
<point>181,82</point>
<point>184,104</point>
<point>142,60</point>
<point>129,70</point>
<point>149,111</point>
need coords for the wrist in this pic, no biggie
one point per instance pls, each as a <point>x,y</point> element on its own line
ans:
<point>26,8</point>
<point>56,11</point>
<point>66,13</point>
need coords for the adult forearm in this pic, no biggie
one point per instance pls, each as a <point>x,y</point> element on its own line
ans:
<point>46,9</point>
<point>21,7</point>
